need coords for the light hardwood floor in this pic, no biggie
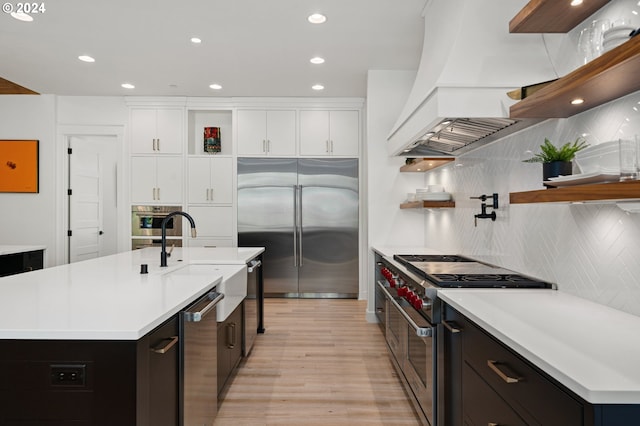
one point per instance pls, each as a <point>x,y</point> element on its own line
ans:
<point>319,362</point>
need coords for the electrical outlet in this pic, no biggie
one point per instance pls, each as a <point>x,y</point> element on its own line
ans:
<point>68,374</point>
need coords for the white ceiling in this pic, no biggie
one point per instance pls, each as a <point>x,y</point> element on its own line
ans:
<point>250,47</point>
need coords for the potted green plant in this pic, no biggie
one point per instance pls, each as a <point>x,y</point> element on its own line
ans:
<point>557,161</point>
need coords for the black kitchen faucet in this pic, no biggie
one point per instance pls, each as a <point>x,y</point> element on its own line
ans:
<point>163,225</point>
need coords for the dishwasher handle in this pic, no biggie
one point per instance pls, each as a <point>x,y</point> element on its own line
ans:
<point>253,265</point>
<point>199,315</point>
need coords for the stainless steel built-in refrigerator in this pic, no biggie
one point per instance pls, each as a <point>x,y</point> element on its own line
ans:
<point>305,213</point>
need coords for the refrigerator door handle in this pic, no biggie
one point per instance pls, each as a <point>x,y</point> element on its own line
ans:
<point>295,226</point>
<point>300,187</point>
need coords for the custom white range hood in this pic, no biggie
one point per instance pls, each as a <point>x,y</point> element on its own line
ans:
<point>469,62</point>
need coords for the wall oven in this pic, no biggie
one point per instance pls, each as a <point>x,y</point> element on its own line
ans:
<point>140,243</point>
<point>146,221</point>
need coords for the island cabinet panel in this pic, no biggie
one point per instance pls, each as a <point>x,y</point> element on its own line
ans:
<point>229,348</point>
<point>84,382</point>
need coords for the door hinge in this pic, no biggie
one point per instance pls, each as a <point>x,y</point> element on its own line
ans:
<point>69,233</point>
<point>69,191</point>
<point>69,151</point>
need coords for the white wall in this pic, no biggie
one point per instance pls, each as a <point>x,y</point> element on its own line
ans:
<point>386,188</point>
<point>34,219</point>
<point>30,218</point>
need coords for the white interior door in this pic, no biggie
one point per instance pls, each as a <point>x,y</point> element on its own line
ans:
<point>92,199</point>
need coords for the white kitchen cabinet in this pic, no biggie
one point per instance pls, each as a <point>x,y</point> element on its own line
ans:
<point>267,132</point>
<point>209,242</point>
<point>210,180</point>
<point>325,133</point>
<point>156,130</point>
<point>156,179</point>
<point>213,221</point>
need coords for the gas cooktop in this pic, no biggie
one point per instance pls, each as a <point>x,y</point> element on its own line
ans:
<point>408,258</point>
<point>450,271</point>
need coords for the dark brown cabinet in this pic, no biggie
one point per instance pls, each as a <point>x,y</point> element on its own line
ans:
<point>482,381</point>
<point>162,383</point>
<point>91,383</point>
<point>16,263</point>
<point>229,348</point>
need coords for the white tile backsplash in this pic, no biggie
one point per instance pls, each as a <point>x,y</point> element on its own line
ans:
<point>591,250</point>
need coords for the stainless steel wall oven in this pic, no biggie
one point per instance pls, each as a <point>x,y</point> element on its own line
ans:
<point>146,220</point>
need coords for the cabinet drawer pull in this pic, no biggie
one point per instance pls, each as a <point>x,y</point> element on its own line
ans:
<point>451,326</point>
<point>163,350</point>
<point>493,424</point>
<point>158,143</point>
<point>231,335</point>
<point>508,379</point>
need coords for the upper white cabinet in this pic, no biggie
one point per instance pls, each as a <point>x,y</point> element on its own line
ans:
<point>267,132</point>
<point>210,180</point>
<point>156,179</point>
<point>329,133</point>
<point>156,130</point>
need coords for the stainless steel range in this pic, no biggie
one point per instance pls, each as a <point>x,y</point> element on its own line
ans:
<point>408,309</point>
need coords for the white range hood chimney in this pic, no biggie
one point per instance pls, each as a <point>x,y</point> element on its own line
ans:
<point>469,63</point>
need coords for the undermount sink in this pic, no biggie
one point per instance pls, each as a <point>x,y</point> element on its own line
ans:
<point>233,285</point>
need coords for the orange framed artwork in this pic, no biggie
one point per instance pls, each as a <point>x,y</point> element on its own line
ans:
<point>19,166</point>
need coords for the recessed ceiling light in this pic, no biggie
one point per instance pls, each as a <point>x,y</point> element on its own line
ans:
<point>21,16</point>
<point>317,18</point>
<point>576,2</point>
<point>317,60</point>
<point>86,58</point>
<point>317,87</point>
<point>215,86</point>
<point>577,101</point>
<point>128,86</point>
<point>196,40</point>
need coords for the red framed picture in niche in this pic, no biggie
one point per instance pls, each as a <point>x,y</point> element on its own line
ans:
<point>19,166</point>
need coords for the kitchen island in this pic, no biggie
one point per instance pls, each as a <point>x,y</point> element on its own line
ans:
<point>92,342</point>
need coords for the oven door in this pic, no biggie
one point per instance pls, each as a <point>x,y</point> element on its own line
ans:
<point>419,364</point>
<point>146,221</point>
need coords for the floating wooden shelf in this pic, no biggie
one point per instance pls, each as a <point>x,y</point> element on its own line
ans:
<point>610,76</point>
<point>427,204</point>
<point>424,164</point>
<point>596,192</point>
<point>552,16</point>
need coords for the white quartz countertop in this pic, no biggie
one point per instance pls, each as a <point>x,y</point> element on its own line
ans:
<point>592,349</point>
<point>107,298</point>
<point>8,249</point>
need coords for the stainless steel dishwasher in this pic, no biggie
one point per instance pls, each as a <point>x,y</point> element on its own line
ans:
<point>199,361</point>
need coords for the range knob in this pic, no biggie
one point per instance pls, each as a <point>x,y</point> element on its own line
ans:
<point>417,303</point>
